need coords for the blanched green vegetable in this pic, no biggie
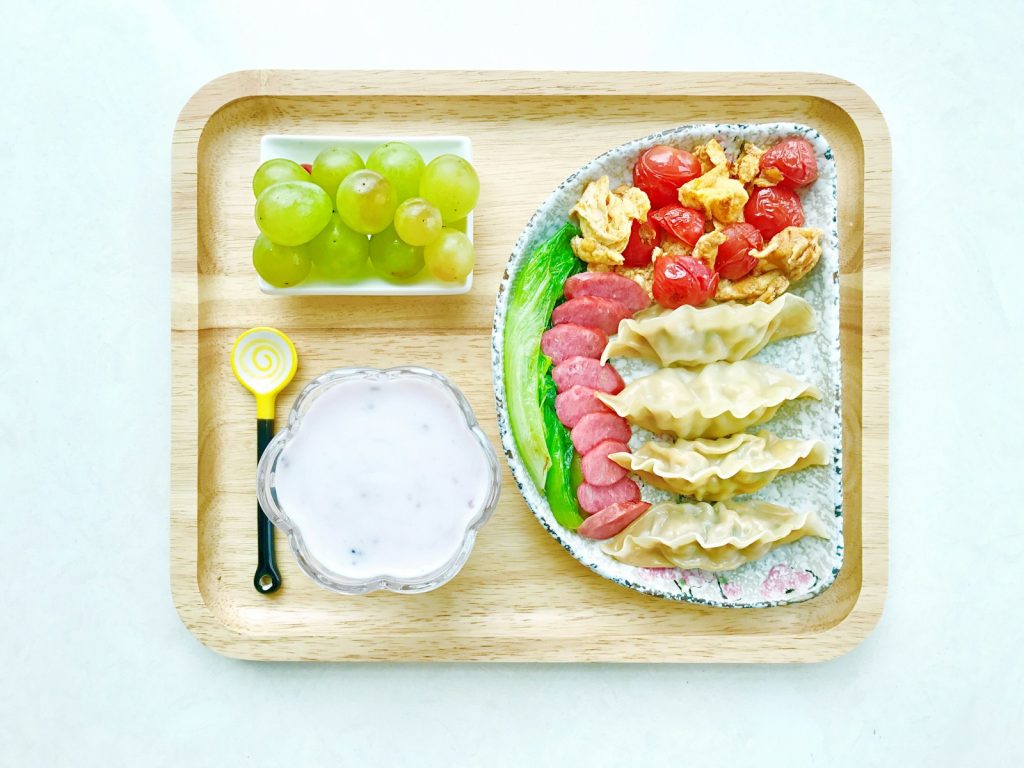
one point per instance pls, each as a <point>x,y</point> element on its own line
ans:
<point>560,485</point>
<point>576,470</point>
<point>532,296</point>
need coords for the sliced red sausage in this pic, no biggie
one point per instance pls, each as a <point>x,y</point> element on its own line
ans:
<point>576,402</point>
<point>594,498</point>
<point>587,372</point>
<point>593,312</point>
<point>568,340</point>
<point>595,428</point>
<point>607,285</point>
<point>612,520</point>
<point>598,469</point>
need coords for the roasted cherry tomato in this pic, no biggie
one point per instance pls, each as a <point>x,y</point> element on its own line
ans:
<point>661,171</point>
<point>794,159</point>
<point>686,224</point>
<point>772,209</point>
<point>682,280</point>
<point>734,261</point>
<point>643,238</point>
<point>658,191</point>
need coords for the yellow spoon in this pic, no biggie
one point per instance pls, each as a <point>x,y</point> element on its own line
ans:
<point>264,361</point>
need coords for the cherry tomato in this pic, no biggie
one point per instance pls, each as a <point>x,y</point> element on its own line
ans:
<point>671,164</point>
<point>794,159</point>
<point>686,224</point>
<point>658,191</point>
<point>772,209</point>
<point>307,166</point>
<point>734,261</point>
<point>643,238</point>
<point>682,280</point>
<point>661,171</point>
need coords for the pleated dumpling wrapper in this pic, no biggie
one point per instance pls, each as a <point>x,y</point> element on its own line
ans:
<point>718,400</point>
<point>718,469</point>
<point>725,332</point>
<point>719,537</point>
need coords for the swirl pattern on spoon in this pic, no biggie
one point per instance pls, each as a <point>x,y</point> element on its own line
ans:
<point>263,360</point>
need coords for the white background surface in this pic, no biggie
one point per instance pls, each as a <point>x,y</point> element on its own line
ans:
<point>98,670</point>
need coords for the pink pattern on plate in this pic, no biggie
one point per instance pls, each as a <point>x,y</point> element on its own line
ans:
<point>782,580</point>
<point>694,577</point>
<point>660,573</point>
<point>731,589</point>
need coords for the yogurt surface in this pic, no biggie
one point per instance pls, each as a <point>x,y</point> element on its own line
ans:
<point>383,477</point>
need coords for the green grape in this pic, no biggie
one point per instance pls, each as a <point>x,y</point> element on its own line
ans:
<point>417,221</point>
<point>339,252</point>
<point>280,265</point>
<point>366,202</point>
<point>292,212</point>
<point>393,258</point>
<point>332,166</point>
<point>276,171</point>
<point>450,256</point>
<point>451,184</point>
<point>400,164</point>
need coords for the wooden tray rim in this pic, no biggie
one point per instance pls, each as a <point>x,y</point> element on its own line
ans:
<point>223,91</point>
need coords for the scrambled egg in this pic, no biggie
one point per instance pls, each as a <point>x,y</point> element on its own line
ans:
<point>766,288</point>
<point>670,246</point>
<point>748,168</point>
<point>606,218</point>
<point>789,256</point>
<point>706,249</point>
<point>793,252</point>
<point>769,177</point>
<point>593,252</point>
<point>720,197</point>
<point>711,155</point>
<point>748,164</point>
<point>642,276</point>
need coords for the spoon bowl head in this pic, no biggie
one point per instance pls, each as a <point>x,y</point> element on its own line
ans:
<point>264,361</point>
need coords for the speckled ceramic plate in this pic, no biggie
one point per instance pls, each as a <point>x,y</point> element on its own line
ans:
<point>793,572</point>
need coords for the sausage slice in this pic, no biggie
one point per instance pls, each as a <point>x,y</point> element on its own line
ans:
<point>598,469</point>
<point>594,498</point>
<point>587,372</point>
<point>592,312</point>
<point>576,402</point>
<point>612,520</point>
<point>569,340</point>
<point>608,285</point>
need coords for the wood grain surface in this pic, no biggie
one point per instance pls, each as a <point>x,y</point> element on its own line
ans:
<point>520,597</point>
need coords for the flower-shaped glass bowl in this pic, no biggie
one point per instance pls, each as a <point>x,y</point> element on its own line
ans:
<point>399,581</point>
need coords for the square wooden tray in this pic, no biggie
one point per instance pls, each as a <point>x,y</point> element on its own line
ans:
<point>520,597</point>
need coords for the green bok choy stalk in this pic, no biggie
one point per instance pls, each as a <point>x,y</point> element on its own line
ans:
<point>543,442</point>
<point>560,484</point>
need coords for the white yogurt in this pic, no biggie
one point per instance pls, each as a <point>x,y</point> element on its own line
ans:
<point>383,477</point>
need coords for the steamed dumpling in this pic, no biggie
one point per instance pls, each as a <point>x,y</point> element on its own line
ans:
<point>718,400</point>
<point>721,537</point>
<point>694,336</point>
<point>720,468</point>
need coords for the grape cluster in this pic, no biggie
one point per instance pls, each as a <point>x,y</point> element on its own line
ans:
<point>394,211</point>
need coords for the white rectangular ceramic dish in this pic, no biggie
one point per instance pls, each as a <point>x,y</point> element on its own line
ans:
<point>304,149</point>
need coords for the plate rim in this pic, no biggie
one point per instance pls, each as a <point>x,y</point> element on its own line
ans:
<point>511,450</point>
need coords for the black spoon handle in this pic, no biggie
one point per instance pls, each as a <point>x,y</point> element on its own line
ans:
<point>267,579</point>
